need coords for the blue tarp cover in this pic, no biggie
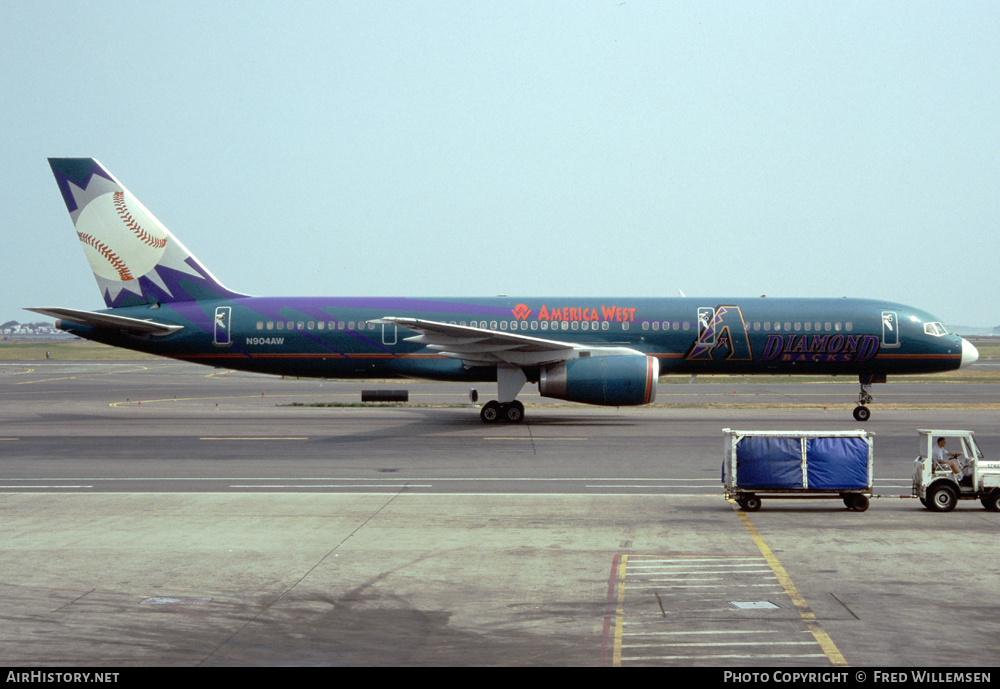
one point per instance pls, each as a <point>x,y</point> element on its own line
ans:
<point>837,463</point>
<point>764,462</point>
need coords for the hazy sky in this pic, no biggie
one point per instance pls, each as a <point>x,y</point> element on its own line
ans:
<point>616,148</point>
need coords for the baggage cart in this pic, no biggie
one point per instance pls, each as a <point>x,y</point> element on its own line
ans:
<point>798,464</point>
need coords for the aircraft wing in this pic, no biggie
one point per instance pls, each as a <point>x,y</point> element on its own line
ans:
<point>483,347</point>
<point>132,326</point>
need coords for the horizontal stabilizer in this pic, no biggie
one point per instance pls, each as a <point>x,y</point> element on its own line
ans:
<point>132,326</point>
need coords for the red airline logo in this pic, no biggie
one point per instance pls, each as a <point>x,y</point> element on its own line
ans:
<point>616,314</point>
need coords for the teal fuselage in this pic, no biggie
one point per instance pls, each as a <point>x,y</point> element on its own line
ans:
<point>335,337</point>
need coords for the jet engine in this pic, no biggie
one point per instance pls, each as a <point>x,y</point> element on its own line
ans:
<point>614,381</point>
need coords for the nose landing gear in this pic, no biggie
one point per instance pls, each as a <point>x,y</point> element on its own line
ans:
<point>862,412</point>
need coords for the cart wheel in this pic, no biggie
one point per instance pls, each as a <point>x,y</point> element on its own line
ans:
<point>751,503</point>
<point>942,498</point>
<point>991,501</point>
<point>858,502</point>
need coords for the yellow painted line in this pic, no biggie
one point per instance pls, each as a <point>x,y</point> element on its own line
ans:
<point>807,615</point>
<point>9,438</point>
<point>82,375</point>
<point>616,660</point>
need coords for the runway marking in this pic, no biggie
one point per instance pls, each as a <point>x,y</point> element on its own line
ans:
<point>256,437</point>
<point>808,616</point>
<point>345,486</point>
<point>43,487</point>
<point>528,439</point>
<point>656,604</point>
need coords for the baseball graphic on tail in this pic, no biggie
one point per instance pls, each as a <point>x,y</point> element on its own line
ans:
<point>121,239</point>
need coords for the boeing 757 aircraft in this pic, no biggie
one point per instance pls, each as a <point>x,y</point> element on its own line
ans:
<point>597,350</point>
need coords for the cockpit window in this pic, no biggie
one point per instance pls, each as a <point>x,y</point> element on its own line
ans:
<point>936,329</point>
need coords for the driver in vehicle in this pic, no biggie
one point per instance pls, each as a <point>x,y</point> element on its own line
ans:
<point>944,459</point>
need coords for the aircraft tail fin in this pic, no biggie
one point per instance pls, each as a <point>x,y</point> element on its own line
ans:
<point>135,259</point>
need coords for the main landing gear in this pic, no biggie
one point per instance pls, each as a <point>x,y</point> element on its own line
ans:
<point>494,412</point>
<point>508,409</point>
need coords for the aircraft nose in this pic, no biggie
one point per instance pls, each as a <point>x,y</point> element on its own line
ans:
<point>970,354</point>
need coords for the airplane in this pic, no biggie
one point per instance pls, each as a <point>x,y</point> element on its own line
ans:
<point>594,350</point>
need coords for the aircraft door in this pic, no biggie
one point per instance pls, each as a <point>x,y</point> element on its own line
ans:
<point>388,334</point>
<point>223,326</point>
<point>706,325</point>
<point>890,329</point>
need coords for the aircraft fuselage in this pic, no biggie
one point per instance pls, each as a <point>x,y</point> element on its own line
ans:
<point>337,338</point>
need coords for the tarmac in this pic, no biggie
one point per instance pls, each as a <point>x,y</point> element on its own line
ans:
<point>162,514</point>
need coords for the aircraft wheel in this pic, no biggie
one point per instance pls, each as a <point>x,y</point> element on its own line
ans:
<point>490,413</point>
<point>991,501</point>
<point>513,412</point>
<point>942,498</point>
<point>862,413</point>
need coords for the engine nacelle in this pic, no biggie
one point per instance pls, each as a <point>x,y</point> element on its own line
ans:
<point>614,381</point>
